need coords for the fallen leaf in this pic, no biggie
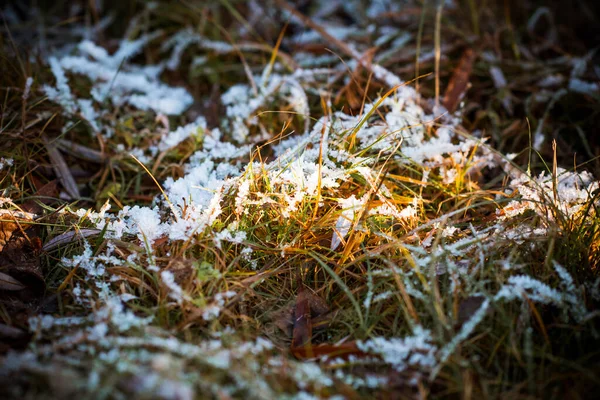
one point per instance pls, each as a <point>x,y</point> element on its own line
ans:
<point>12,338</point>
<point>20,260</point>
<point>69,237</point>
<point>11,332</point>
<point>9,223</point>
<point>19,253</point>
<point>467,308</point>
<point>80,151</point>
<point>45,194</point>
<point>7,282</point>
<point>61,169</point>
<point>329,350</point>
<point>459,81</point>
<point>319,312</point>
<point>302,332</point>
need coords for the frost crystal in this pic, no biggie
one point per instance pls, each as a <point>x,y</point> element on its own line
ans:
<point>401,353</point>
<point>115,78</point>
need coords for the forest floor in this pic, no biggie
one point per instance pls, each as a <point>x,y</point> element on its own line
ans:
<point>299,200</point>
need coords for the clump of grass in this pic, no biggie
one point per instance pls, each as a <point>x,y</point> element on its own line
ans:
<point>291,248</point>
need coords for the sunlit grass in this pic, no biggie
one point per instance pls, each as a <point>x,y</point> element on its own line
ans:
<point>419,262</point>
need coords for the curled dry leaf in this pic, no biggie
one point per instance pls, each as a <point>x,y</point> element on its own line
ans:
<point>9,223</point>
<point>302,332</point>
<point>19,246</point>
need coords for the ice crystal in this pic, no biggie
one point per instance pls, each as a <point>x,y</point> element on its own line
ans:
<point>401,353</point>
<point>115,78</point>
<point>350,208</point>
<point>573,191</point>
<point>175,291</point>
<point>6,162</point>
<point>177,136</point>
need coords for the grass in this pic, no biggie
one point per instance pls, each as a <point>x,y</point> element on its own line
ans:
<point>464,273</point>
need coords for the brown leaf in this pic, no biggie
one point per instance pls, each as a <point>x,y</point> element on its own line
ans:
<point>45,194</point>
<point>19,253</point>
<point>329,350</point>
<point>7,282</point>
<point>284,319</point>
<point>12,338</point>
<point>69,237</point>
<point>9,223</point>
<point>80,151</point>
<point>20,259</point>
<point>302,332</point>
<point>61,169</point>
<point>10,332</point>
<point>467,308</point>
<point>460,80</point>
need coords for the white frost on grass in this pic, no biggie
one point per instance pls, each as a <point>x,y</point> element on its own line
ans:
<point>308,166</point>
<point>573,191</point>
<point>180,134</point>
<point>175,291</point>
<point>113,78</point>
<point>86,261</point>
<point>350,208</point>
<point>466,330</point>
<point>212,311</point>
<point>417,351</point>
<point>229,235</point>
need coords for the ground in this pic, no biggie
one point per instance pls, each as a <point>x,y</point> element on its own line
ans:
<point>273,199</point>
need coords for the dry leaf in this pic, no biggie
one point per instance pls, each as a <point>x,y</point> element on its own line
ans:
<point>10,332</point>
<point>319,312</point>
<point>329,350</point>
<point>460,81</point>
<point>9,223</point>
<point>45,194</point>
<point>467,308</point>
<point>61,169</point>
<point>302,332</point>
<point>69,237</point>
<point>80,151</point>
<point>7,282</point>
<point>19,253</point>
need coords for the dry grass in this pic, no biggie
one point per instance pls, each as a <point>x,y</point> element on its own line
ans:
<point>276,312</point>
